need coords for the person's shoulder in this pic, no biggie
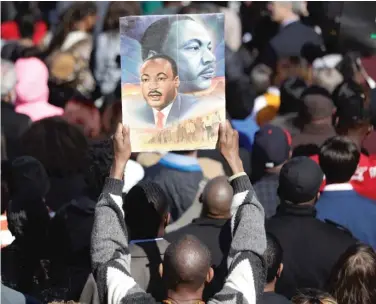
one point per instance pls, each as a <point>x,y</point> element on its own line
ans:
<point>141,249</point>
<point>334,231</point>
<point>273,298</point>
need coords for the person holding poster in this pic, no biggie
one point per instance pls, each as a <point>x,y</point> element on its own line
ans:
<point>172,79</point>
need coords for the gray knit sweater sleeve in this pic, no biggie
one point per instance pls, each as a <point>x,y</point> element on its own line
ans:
<point>111,258</point>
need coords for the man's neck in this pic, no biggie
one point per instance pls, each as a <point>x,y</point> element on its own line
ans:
<point>275,170</point>
<point>356,139</point>
<point>215,216</point>
<point>290,18</point>
<point>270,287</point>
<point>182,295</point>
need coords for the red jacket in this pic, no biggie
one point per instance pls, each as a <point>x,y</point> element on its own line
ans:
<point>9,31</point>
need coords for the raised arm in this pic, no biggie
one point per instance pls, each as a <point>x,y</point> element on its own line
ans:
<point>246,277</point>
<point>109,242</point>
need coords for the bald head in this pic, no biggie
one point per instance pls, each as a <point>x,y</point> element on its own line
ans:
<point>186,264</point>
<point>216,198</point>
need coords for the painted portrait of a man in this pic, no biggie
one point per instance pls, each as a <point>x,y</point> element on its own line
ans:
<point>172,78</point>
<point>160,82</point>
<point>189,43</point>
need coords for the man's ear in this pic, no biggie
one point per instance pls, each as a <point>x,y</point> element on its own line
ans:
<point>317,197</point>
<point>210,275</point>
<point>160,270</point>
<point>177,82</point>
<point>167,219</point>
<point>279,271</point>
<point>152,53</point>
<point>336,121</point>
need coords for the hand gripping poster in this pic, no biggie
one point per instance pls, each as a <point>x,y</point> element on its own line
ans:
<point>173,84</point>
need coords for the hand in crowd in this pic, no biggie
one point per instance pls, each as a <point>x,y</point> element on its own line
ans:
<point>228,145</point>
<point>122,151</point>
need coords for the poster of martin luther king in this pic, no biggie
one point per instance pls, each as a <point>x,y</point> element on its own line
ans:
<point>173,84</point>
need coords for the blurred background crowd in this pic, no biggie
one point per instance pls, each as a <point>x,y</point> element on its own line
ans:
<point>300,90</point>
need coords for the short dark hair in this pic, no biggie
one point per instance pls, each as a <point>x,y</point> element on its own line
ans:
<point>273,257</point>
<point>26,22</point>
<point>156,34</point>
<point>59,146</point>
<point>180,266</point>
<point>148,202</point>
<point>353,278</point>
<point>339,158</point>
<point>172,62</point>
<point>98,161</point>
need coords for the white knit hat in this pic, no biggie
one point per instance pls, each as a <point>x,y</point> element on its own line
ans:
<point>8,77</point>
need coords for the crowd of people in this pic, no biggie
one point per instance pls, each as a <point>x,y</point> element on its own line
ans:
<point>282,211</point>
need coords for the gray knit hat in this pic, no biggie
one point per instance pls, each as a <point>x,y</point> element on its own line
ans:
<point>8,77</point>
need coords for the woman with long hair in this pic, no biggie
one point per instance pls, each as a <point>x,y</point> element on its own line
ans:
<point>70,49</point>
<point>313,296</point>
<point>353,278</point>
<point>76,24</point>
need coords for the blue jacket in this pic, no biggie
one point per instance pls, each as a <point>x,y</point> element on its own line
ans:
<point>347,208</point>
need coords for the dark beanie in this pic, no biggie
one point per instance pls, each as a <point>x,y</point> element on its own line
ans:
<point>299,180</point>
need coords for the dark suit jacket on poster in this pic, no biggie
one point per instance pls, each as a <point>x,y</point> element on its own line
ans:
<point>181,106</point>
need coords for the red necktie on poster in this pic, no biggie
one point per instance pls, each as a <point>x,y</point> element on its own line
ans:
<point>160,117</point>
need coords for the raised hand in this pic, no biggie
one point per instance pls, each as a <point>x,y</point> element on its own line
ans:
<point>228,145</point>
<point>122,151</point>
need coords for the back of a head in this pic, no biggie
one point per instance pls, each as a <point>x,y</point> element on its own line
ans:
<point>339,158</point>
<point>216,197</point>
<point>273,257</point>
<point>59,146</point>
<point>119,9</point>
<point>299,7</point>
<point>353,112</point>
<point>26,22</point>
<point>300,180</point>
<point>77,11</point>
<point>186,264</point>
<point>98,160</point>
<point>32,79</point>
<point>313,296</point>
<point>271,148</point>
<point>316,105</point>
<point>261,78</point>
<point>148,202</point>
<point>353,278</point>
<point>27,213</point>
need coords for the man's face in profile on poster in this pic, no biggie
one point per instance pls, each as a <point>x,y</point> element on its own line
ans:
<point>159,85</point>
<point>190,45</point>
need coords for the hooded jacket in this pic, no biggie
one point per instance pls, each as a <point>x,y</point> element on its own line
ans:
<point>32,90</point>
